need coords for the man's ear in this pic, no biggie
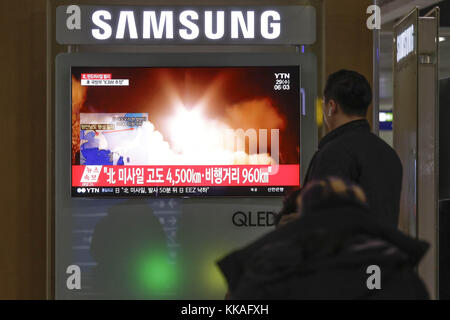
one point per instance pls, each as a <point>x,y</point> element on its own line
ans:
<point>333,106</point>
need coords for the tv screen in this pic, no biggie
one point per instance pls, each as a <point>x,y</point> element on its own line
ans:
<point>185,131</point>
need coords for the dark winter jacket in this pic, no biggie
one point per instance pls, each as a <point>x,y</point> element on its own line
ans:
<point>327,255</point>
<point>354,153</point>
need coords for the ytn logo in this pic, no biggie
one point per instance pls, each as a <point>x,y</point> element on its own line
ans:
<point>282,76</point>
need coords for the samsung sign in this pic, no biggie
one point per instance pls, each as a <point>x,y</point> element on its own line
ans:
<point>293,25</point>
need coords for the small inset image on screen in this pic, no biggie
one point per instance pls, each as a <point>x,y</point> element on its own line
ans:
<point>181,132</point>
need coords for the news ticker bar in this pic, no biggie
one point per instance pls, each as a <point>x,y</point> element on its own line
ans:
<point>173,192</point>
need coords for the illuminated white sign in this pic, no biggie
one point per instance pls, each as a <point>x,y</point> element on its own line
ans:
<point>405,43</point>
<point>161,25</point>
<point>93,24</point>
<point>386,116</point>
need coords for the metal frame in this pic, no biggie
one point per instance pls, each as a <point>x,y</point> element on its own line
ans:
<point>376,80</point>
<point>416,115</point>
<point>427,141</point>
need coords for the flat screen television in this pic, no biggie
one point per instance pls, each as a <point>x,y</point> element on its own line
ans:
<point>185,131</point>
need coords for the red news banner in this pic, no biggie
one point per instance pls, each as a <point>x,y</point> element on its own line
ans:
<point>96,76</point>
<point>183,176</point>
<point>102,79</point>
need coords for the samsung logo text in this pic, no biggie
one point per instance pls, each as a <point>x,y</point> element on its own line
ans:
<point>185,25</point>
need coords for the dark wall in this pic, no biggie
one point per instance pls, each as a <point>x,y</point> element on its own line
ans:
<point>444,190</point>
<point>444,138</point>
<point>348,42</point>
<point>23,149</point>
<point>444,5</point>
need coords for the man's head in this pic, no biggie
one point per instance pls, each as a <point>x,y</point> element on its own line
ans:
<point>347,96</point>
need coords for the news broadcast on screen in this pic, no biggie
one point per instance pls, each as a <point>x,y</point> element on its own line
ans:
<point>185,131</point>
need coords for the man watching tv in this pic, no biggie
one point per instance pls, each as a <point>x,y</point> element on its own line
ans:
<point>351,151</point>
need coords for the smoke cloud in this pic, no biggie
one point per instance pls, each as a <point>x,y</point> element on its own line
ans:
<point>257,113</point>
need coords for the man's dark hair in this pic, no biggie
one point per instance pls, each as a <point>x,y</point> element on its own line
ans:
<point>350,90</point>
